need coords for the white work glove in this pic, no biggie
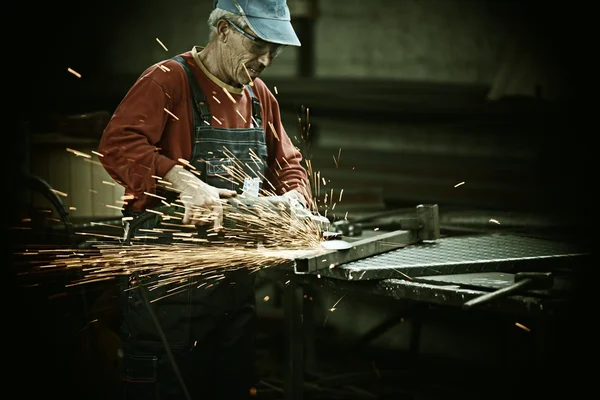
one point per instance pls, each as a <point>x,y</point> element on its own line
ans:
<point>198,197</point>
<point>294,196</point>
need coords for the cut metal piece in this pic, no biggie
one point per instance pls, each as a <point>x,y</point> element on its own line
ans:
<point>336,245</point>
<point>360,249</point>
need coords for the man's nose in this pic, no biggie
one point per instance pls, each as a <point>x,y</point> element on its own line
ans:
<point>265,59</point>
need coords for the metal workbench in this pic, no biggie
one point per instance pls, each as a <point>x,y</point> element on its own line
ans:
<point>448,271</point>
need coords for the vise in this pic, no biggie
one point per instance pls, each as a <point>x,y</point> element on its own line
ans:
<point>425,222</point>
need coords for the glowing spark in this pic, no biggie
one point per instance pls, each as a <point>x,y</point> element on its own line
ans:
<point>240,114</point>
<point>98,154</point>
<point>164,68</point>
<point>494,221</point>
<point>229,95</point>
<point>77,74</point>
<point>171,114</point>
<point>108,183</point>
<point>79,153</point>
<point>266,298</point>
<point>459,184</point>
<point>251,83</point>
<point>341,192</point>
<point>273,130</point>
<point>275,87</point>
<point>216,119</point>
<point>217,100</point>
<point>526,329</point>
<point>154,195</point>
<point>336,303</point>
<point>186,162</point>
<point>59,192</point>
<point>161,43</point>
<point>402,273</point>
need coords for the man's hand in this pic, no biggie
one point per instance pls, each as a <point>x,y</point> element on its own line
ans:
<point>198,198</point>
<point>294,195</point>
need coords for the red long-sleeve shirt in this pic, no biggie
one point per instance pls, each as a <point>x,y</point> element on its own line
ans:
<point>152,128</point>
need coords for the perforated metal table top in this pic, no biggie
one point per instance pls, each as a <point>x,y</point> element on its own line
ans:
<point>457,255</point>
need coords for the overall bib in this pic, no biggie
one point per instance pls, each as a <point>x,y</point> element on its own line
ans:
<point>210,331</point>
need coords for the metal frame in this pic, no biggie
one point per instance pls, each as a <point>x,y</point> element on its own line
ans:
<point>298,321</point>
<point>360,249</point>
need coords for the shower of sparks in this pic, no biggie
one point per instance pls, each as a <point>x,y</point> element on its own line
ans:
<point>161,43</point>
<point>172,265</point>
<point>77,74</point>
<point>255,235</point>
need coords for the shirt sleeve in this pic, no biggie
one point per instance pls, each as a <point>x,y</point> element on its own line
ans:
<point>129,141</point>
<point>285,171</point>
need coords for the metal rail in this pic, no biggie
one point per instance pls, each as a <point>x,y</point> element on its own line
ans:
<point>360,249</point>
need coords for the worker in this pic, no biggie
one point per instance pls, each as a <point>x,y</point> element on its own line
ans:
<point>170,131</point>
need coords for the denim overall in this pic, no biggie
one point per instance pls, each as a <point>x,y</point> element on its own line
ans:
<point>210,331</point>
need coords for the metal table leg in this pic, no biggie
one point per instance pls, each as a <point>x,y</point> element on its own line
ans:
<point>294,341</point>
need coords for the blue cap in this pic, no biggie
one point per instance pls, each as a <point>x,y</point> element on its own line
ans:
<point>269,19</point>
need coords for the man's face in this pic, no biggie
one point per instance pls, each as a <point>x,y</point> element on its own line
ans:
<point>246,56</point>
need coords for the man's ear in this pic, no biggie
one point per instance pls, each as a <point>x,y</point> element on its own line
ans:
<point>223,30</point>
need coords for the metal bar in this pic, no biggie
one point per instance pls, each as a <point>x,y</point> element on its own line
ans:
<point>360,249</point>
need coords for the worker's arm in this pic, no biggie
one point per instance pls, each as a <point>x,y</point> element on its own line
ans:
<point>285,172</point>
<point>129,142</point>
<point>130,146</point>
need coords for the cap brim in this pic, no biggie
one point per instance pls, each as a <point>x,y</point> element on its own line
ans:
<point>274,31</point>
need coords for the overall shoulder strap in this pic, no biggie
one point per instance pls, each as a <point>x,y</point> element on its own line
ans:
<point>199,100</point>
<point>255,106</point>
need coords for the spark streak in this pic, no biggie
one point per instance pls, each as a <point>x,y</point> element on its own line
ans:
<point>77,74</point>
<point>161,43</point>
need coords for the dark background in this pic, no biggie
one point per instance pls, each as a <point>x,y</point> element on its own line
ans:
<point>415,119</point>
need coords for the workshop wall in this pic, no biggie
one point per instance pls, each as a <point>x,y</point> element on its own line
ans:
<point>437,40</point>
